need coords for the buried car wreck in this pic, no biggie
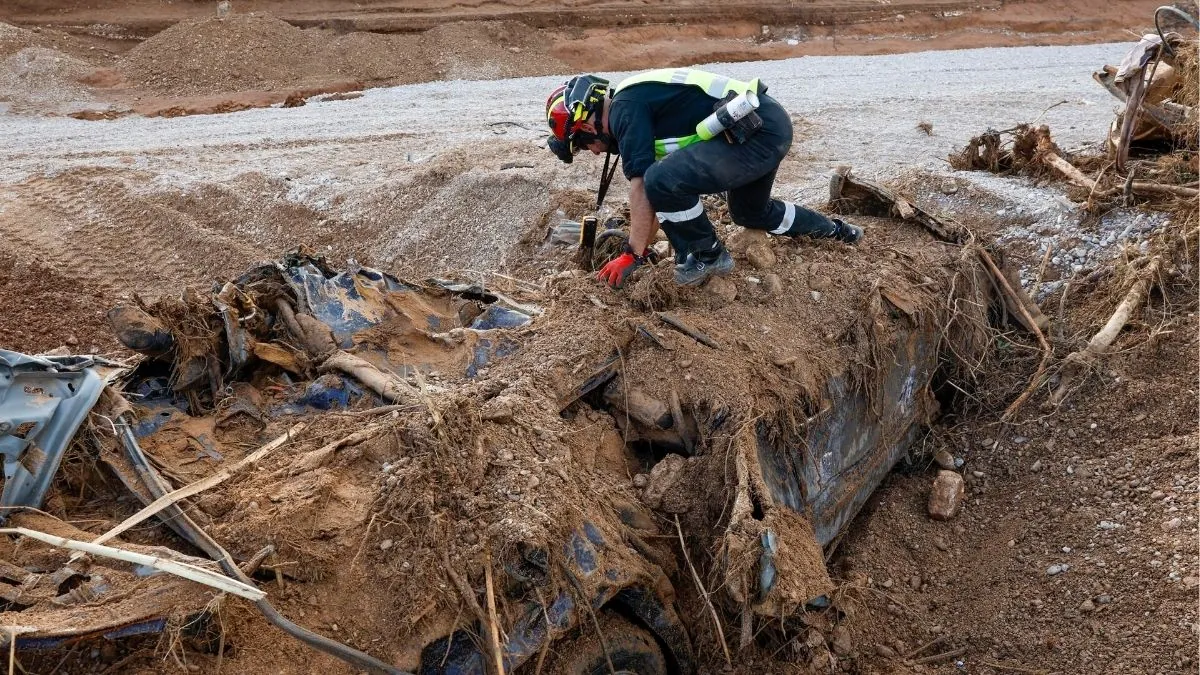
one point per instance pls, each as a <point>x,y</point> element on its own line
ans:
<point>440,472</point>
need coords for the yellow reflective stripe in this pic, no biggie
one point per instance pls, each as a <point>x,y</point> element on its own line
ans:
<point>717,86</point>
<point>550,108</point>
<point>665,146</point>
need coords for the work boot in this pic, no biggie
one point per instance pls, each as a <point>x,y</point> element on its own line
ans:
<point>695,269</point>
<point>846,232</point>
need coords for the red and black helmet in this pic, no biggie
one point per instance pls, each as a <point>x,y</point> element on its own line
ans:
<point>568,105</point>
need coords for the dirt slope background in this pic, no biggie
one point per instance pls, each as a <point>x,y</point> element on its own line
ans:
<point>172,58</point>
<point>432,176</point>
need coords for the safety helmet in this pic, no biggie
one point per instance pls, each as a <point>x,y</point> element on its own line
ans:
<point>568,105</point>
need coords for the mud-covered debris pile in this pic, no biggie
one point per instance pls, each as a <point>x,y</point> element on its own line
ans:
<point>546,435</point>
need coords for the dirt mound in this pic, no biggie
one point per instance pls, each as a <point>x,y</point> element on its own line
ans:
<point>13,39</point>
<point>256,52</point>
<point>38,79</point>
<point>487,50</point>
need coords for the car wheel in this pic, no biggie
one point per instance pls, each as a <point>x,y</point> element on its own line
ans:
<point>631,648</point>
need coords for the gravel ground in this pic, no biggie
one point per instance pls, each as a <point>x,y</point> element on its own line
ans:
<point>857,110</point>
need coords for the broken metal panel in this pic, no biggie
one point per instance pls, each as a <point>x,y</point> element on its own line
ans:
<point>852,448</point>
<point>347,302</point>
<point>43,401</point>
<point>850,445</point>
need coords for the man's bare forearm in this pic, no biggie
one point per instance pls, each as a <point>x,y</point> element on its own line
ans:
<point>643,225</point>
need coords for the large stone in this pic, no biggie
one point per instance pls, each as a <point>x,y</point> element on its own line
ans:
<point>761,256</point>
<point>662,478</point>
<point>946,497</point>
<point>743,239</point>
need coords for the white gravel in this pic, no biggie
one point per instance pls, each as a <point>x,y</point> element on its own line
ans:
<point>862,110</point>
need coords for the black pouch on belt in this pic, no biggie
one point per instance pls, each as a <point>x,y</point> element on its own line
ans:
<point>741,130</point>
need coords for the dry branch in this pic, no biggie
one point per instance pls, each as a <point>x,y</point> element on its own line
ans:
<point>1078,362</point>
<point>318,457</point>
<point>184,570</point>
<point>200,485</point>
<point>681,326</point>
<point>704,594</point>
<point>493,621</point>
<point>1046,350</point>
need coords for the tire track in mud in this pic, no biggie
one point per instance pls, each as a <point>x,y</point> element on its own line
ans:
<point>90,226</point>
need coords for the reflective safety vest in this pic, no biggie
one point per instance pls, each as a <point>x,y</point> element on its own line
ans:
<point>717,86</point>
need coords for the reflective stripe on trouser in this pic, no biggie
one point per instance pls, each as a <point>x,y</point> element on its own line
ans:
<point>746,172</point>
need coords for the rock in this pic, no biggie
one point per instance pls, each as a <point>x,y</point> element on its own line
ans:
<point>1037,466</point>
<point>505,455</point>
<point>946,497</point>
<point>940,544</point>
<point>819,282</point>
<point>761,256</point>
<point>1104,599</point>
<point>1087,606</point>
<point>722,289</point>
<point>499,409</point>
<point>640,480</point>
<point>743,239</point>
<point>915,582</point>
<point>1191,583</point>
<point>816,296</point>
<point>1172,524</point>
<point>944,459</point>
<point>840,641</point>
<point>1057,569</point>
<point>662,478</point>
<point>885,651</point>
<point>385,544</point>
<point>772,284</point>
<point>72,340</point>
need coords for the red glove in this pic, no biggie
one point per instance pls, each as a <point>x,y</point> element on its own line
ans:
<point>619,268</point>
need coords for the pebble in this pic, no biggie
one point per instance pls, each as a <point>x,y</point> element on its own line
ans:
<point>1104,599</point>
<point>772,284</point>
<point>505,455</point>
<point>1172,524</point>
<point>1087,606</point>
<point>885,651</point>
<point>840,639</point>
<point>385,544</point>
<point>816,295</point>
<point>940,544</point>
<point>1057,569</point>
<point>944,459</point>
<point>1037,466</point>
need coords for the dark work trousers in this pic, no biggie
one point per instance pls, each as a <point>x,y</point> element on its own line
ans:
<point>745,171</point>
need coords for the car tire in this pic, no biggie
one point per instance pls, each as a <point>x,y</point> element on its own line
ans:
<point>632,649</point>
